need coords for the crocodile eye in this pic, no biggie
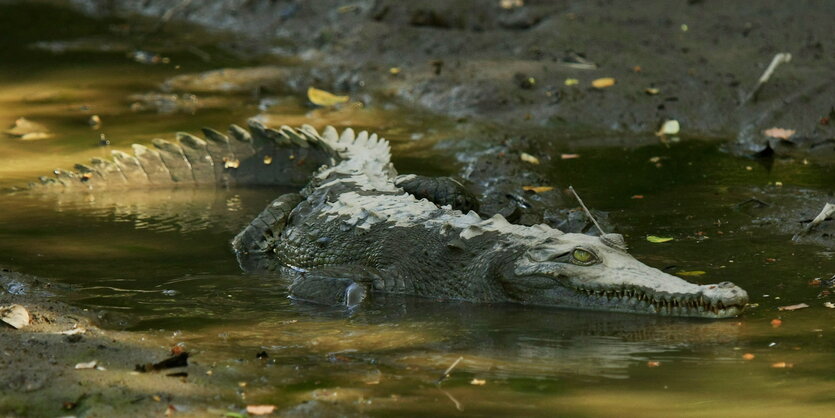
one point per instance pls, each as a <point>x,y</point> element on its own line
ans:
<point>582,257</point>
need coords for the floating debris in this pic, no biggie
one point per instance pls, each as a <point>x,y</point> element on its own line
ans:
<point>658,240</point>
<point>27,130</point>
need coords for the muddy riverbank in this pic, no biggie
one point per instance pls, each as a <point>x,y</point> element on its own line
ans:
<point>533,66</point>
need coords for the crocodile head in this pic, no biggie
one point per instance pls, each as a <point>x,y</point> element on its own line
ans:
<point>580,271</point>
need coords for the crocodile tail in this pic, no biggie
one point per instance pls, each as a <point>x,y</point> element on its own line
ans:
<point>258,156</point>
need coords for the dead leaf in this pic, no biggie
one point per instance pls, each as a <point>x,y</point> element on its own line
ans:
<point>776,323</point>
<point>394,71</point>
<point>571,81</point>
<point>652,91</point>
<point>268,160</point>
<point>27,130</point>
<point>691,273</point>
<point>637,196</point>
<point>779,133</point>
<point>478,382</point>
<point>793,307</point>
<point>781,365</point>
<point>528,158</point>
<point>231,162</point>
<point>15,315</point>
<point>87,365</point>
<point>653,363</point>
<point>324,98</point>
<point>669,127</point>
<point>537,189</point>
<point>658,240</point>
<point>602,83</point>
<point>569,156</point>
<point>748,356</point>
<point>260,409</point>
<point>511,4</point>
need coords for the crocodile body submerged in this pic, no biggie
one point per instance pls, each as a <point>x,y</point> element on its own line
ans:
<point>357,228</point>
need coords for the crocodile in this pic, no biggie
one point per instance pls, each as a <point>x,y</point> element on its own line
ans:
<point>357,228</point>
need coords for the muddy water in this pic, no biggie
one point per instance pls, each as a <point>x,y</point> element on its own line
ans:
<point>158,263</point>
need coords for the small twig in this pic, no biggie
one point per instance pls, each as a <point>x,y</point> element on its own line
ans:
<point>588,212</point>
<point>449,370</point>
<point>775,62</point>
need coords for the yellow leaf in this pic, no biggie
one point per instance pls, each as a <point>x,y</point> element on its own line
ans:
<point>571,81</point>
<point>478,382</point>
<point>394,71</point>
<point>652,91</point>
<point>537,189</point>
<point>691,273</point>
<point>602,83</point>
<point>528,158</point>
<point>658,240</point>
<point>324,98</point>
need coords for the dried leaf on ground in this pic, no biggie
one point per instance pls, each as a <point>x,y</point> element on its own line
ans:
<point>652,91</point>
<point>528,158</point>
<point>27,130</point>
<point>478,382</point>
<point>569,156</point>
<point>260,409</point>
<point>653,363</point>
<point>87,365</point>
<point>669,127</point>
<point>793,307</point>
<point>537,189</point>
<point>780,133</point>
<point>511,4</point>
<point>657,240</point>
<point>776,323</point>
<point>324,98</point>
<point>602,83</point>
<point>15,315</point>
<point>748,356</point>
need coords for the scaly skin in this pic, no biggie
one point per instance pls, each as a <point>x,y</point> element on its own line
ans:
<point>355,226</point>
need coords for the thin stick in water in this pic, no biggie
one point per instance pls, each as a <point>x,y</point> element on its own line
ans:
<point>449,370</point>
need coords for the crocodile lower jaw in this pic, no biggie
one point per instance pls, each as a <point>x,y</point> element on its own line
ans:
<point>637,300</point>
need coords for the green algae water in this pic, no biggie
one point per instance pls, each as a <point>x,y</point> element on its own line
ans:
<point>158,263</point>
